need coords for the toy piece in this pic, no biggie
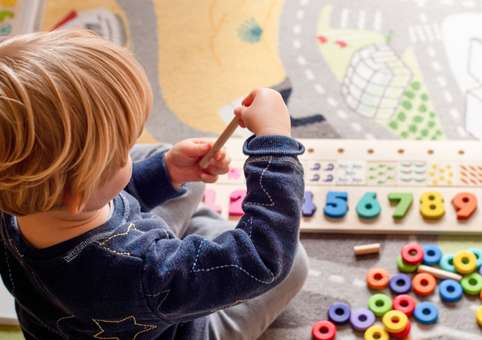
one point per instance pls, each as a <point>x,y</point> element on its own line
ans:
<point>395,321</point>
<point>426,313</point>
<point>432,254</point>
<point>431,205</point>
<point>336,206</point>
<point>323,330</point>
<point>379,304</point>
<point>376,333</point>
<point>424,283</point>
<point>465,262</point>
<point>465,204</point>
<point>6,14</point>
<point>478,254</point>
<point>361,319</point>
<point>404,303</point>
<point>403,334</point>
<point>446,263</point>
<point>412,254</point>
<point>218,144</point>
<point>439,273</point>
<point>308,208</point>
<point>400,284</point>
<point>367,249</point>
<point>472,283</point>
<point>235,208</point>
<point>478,315</point>
<point>377,278</point>
<point>339,313</point>
<point>450,290</point>
<point>406,268</point>
<point>368,207</point>
<point>404,202</point>
<point>209,199</point>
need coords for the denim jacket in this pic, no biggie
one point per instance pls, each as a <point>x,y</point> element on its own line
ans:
<point>132,279</point>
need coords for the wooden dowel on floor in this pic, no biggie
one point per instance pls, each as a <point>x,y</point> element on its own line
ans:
<point>439,273</point>
<point>367,249</point>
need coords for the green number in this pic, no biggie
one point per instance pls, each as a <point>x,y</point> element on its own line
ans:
<point>404,202</point>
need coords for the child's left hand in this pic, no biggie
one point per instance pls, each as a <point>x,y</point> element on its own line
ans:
<point>182,162</point>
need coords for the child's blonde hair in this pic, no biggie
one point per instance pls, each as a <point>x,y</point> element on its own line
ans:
<point>71,107</point>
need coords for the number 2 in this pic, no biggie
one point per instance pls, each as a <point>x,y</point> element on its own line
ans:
<point>235,208</point>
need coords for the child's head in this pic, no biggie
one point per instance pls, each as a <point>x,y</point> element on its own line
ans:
<point>71,107</point>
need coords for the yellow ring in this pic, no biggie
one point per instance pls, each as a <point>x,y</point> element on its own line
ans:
<point>379,330</point>
<point>465,268</point>
<point>395,321</point>
<point>479,315</point>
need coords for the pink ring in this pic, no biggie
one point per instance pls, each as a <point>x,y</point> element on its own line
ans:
<point>404,299</point>
<point>327,326</point>
<point>409,258</point>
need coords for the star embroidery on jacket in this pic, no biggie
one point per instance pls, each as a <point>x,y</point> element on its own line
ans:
<point>125,329</point>
<point>131,226</point>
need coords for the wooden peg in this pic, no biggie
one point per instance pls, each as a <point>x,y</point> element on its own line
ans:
<point>439,273</point>
<point>367,249</point>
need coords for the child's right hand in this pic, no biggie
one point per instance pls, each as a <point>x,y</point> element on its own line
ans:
<point>264,113</point>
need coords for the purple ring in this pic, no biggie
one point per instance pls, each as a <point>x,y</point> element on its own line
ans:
<point>404,287</point>
<point>362,319</point>
<point>339,313</point>
<point>480,270</point>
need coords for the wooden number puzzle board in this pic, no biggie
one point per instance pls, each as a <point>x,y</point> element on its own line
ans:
<point>358,167</point>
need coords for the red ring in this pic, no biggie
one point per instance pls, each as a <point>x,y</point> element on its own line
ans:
<point>403,334</point>
<point>377,278</point>
<point>409,258</point>
<point>397,304</point>
<point>421,289</point>
<point>328,326</point>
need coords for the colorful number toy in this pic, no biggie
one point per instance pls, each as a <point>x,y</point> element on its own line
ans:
<point>336,206</point>
<point>237,197</point>
<point>368,207</point>
<point>465,204</point>
<point>432,205</point>
<point>308,208</point>
<point>404,202</point>
<point>209,200</point>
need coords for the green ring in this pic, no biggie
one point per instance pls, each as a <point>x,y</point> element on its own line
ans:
<point>379,310</point>
<point>406,268</point>
<point>478,254</point>
<point>472,289</point>
<point>445,265</point>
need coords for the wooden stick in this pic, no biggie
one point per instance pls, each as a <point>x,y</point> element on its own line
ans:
<point>222,139</point>
<point>367,249</point>
<point>439,273</point>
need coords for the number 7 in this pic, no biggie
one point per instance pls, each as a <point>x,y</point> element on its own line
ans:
<point>404,202</point>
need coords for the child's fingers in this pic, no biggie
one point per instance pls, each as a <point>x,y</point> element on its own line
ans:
<point>250,97</point>
<point>208,178</point>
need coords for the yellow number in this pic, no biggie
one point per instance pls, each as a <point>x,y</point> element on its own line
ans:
<point>9,3</point>
<point>432,205</point>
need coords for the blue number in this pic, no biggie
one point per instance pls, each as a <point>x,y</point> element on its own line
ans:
<point>308,208</point>
<point>336,206</point>
<point>368,206</point>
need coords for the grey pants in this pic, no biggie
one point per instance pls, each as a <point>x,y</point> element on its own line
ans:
<point>246,321</point>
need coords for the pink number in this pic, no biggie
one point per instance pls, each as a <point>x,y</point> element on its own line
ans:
<point>236,198</point>
<point>209,199</point>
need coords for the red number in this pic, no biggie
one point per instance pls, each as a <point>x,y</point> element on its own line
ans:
<point>465,204</point>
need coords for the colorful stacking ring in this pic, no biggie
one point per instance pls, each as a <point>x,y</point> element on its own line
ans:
<point>478,254</point>
<point>376,333</point>
<point>412,254</point>
<point>379,304</point>
<point>324,330</point>
<point>450,290</point>
<point>446,263</point>
<point>361,319</point>
<point>377,278</point>
<point>472,283</point>
<point>432,255</point>
<point>403,334</point>
<point>426,313</point>
<point>424,283</point>
<point>478,314</point>
<point>395,321</point>
<point>406,268</point>
<point>400,284</point>
<point>339,313</point>
<point>465,262</point>
<point>404,303</point>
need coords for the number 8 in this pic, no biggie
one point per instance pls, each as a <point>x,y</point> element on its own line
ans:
<point>432,205</point>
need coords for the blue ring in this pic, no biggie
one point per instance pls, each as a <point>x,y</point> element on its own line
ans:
<point>432,255</point>
<point>334,313</point>
<point>426,307</point>
<point>445,265</point>
<point>478,254</point>
<point>450,296</point>
<point>396,288</point>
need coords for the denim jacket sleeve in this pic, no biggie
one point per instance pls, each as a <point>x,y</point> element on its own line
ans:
<point>195,277</point>
<point>150,183</point>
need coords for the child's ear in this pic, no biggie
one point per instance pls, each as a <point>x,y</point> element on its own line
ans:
<point>74,204</point>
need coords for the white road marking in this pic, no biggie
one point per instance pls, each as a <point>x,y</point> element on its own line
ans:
<point>411,33</point>
<point>436,66</point>
<point>314,273</point>
<point>370,136</point>
<point>359,283</point>
<point>332,102</point>
<point>448,97</point>
<point>441,81</point>
<point>309,74</point>
<point>344,18</point>
<point>304,2</point>
<point>341,114</point>
<point>300,14</point>
<point>319,88</point>
<point>431,51</point>
<point>296,44</point>
<point>447,2</point>
<point>468,3</point>
<point>461,131</point>
<point>423,18</point>
<point>356,126</point>
<point>420,33</point>
<point>377,23</point>
<point>297,29</point>
<point>336,278</point>
<point>429,32</point>
<point>438,33</point>
<point>301,60</point>
<point>455,114</point>
<point>361,20</point>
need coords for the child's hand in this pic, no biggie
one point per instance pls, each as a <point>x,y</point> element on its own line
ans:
<point>182,162</point>
<point>265,113</point>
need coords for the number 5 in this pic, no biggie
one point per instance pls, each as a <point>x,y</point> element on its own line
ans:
<point>336,206</point>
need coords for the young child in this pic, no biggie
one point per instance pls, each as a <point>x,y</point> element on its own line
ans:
<point>96,246</point>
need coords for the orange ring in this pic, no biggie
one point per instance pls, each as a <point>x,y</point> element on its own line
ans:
<point>424,284</point>
<point>377,278</point>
